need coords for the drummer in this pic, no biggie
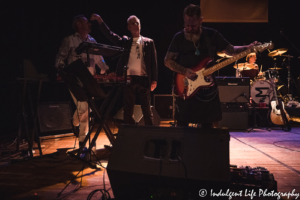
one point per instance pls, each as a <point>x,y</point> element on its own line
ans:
<point>248,65</point>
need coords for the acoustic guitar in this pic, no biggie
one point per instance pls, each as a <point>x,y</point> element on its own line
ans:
<point>278,114</point>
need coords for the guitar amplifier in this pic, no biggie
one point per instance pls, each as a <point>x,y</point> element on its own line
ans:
<point>54,118</point>
<point>234,90</point>
<point>235,116</point>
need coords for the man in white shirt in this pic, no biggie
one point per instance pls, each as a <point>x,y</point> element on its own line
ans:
<point>67,55</point>
<point>141,61</point>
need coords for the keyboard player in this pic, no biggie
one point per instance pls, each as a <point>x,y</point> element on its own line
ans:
<point>67,55</point>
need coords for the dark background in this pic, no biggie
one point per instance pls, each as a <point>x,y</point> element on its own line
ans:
<point>34,30</point>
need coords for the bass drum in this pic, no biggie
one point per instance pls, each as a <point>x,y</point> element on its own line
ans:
<point>262,91</point>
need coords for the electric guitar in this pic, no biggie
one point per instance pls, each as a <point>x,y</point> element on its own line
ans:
<point>278,114</point>
<point>187,88</point>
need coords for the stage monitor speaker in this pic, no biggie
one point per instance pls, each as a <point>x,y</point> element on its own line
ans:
<point>54,118</point>
<point>168,162</point>
<point>234,90</point>
<point>138,116</point>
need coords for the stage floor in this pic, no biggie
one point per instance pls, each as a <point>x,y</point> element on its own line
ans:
<point>45,177</point>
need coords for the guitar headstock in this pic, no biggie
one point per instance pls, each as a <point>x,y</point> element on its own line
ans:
<point>263,47</point>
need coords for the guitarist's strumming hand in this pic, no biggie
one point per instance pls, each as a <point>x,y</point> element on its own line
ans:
<point>190,74</point>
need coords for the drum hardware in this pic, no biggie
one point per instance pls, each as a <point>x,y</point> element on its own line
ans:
<point>261,104</point>
<point>273,72</point>
<point>275,68</point>
<point>278,52</point>
<point>289,76</point>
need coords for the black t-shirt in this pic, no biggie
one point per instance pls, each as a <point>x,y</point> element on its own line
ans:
<point>205,105</point>
<point>211,42</point>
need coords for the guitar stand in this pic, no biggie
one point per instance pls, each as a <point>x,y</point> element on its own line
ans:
<point>23,117</point>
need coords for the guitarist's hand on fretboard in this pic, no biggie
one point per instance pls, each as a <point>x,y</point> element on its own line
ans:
<point>190,74</point>
<point>255,43</point>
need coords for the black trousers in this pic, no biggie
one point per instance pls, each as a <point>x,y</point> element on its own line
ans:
<point>139,87</point>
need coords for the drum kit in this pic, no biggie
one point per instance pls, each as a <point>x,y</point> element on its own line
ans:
<point>261,87</point>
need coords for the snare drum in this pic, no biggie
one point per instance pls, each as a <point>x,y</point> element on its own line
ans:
<point>261,91</point>
<point>251,73</point>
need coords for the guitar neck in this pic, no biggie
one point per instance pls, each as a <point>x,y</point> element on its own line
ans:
<point>226,62</point>
<point>275,92</point>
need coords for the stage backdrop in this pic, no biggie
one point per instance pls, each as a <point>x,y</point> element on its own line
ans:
<point>255,11</point>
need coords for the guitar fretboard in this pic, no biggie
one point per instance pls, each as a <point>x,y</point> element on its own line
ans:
<point>237,57</point>
<point>226,62</point>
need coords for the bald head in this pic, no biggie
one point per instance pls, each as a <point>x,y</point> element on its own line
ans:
<point>134,26</point>
<point>132,17</point>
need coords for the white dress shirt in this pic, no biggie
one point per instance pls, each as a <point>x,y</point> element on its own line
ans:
<point>136,64</point>
<point>67,51</point>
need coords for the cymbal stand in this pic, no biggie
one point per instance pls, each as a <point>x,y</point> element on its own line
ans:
<point>290,96</point>
<point>281,33</point>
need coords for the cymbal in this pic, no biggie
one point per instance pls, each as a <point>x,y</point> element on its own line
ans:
<point>244,66</point>
<point>277,52</point>
<point>224,55</point>
<point>276,68</point>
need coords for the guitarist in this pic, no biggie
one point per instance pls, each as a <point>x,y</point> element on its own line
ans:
<point>188,48</point>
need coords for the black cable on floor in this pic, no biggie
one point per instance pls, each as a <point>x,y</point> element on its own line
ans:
<point>274,143</point>
<point>58,195</point>
<point>289,167</point>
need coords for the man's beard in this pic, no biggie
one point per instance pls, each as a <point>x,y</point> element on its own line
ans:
<point>193,37</point>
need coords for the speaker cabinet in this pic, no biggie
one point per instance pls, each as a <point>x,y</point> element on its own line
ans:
<point>229,94</point>
<point>234,90</point>
<point>235,116</point>
<point>168,162</point>
<point>138,116</point>
<point>163,104</point>
<point>54,118</point>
